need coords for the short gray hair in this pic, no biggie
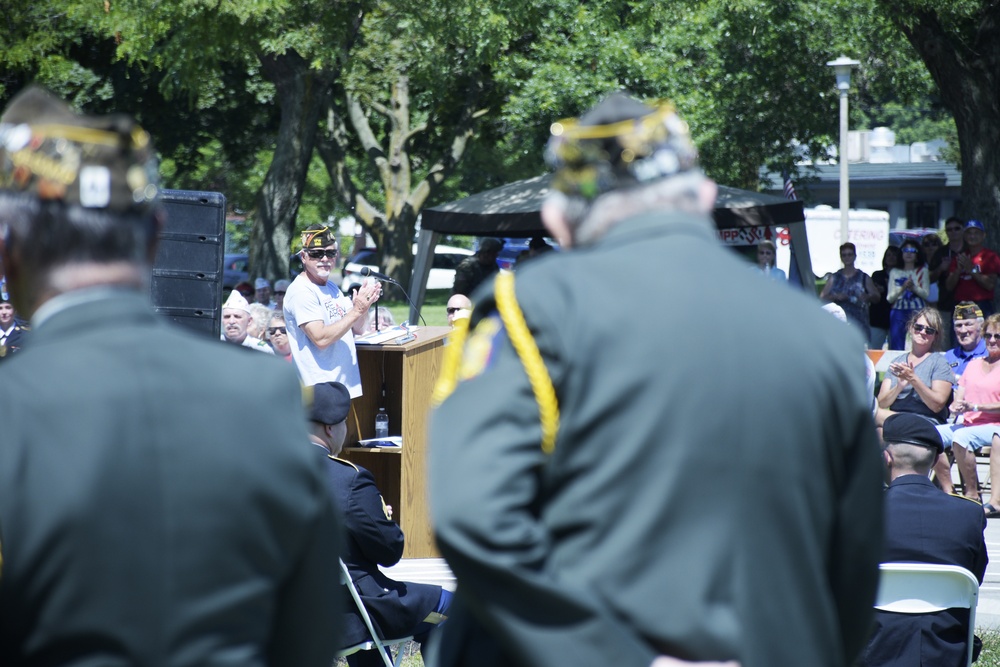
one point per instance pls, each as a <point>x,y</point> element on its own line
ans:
<point>590,221</point>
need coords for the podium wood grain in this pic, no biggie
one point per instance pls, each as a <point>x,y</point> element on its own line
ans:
<point>407,374</point>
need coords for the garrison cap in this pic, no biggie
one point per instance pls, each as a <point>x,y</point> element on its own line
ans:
<point>618,144</point>
<point>331,403</point>
<point>317,236</point>
<point>49,152</point>
<point>910,429</point>
<point>967,310</point>
<point>237,301</point>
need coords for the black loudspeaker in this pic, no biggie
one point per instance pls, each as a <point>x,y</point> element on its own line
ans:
<point>186,285</point>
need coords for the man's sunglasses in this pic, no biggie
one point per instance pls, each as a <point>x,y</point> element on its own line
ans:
<point>319,253</point>
<point>452,311</point>
<point>274,330</point>
<point>920,328</point>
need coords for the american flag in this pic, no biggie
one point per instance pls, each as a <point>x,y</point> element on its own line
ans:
<point>789,188</point>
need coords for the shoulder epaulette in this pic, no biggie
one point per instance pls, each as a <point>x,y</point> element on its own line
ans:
<point>344,461</point>
<point>971,500</point>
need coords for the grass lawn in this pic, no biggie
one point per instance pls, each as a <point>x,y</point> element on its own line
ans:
<point>432,310</point>
<point>990,656</point>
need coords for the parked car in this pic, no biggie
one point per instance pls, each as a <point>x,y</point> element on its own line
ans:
<point>234,271</point>
<point>442,275</point>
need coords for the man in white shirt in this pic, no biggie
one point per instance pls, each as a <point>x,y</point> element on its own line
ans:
<point>322,321</point>
<point>236,318</point>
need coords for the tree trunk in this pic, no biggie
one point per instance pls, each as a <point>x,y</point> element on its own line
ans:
<point>302,95</point>
<point>393,228</point>
<point>966,68</point>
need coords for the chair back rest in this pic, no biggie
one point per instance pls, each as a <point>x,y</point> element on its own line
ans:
<point>345,577</point>
<point>924,588</point>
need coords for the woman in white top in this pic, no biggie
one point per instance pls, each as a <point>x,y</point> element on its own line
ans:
<point>908,289</point>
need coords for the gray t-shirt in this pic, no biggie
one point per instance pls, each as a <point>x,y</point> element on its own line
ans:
<point>934,367</point>
<point>307,302</point>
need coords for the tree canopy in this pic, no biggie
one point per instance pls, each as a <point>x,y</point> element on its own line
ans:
<point>379,108</point>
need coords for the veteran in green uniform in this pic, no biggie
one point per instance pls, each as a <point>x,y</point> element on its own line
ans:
<point>582,468</point>
<point>157,505</point>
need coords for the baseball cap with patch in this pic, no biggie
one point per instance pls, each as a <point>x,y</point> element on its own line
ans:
<point>49,152</point>
<point>975,224</point>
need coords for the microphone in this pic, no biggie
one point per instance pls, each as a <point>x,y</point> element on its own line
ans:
<point>365,271</point>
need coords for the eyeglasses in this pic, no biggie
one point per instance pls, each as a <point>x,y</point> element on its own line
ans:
<point>991,336</point>
<point>274,330</point>
<point>452,311</point>
<point>319,253</point>
<point>920,328</point>
<point>909,250</point>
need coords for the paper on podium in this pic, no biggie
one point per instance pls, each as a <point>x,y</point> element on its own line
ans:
<point>389,441</point>
<point>384,336</point>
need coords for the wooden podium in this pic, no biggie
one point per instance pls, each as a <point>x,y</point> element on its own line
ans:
<point>406,373</point>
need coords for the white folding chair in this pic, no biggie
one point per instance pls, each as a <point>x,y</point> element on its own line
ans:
<point>376,643</point>
<point>924,588</point>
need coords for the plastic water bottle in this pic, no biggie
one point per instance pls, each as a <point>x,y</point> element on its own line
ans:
<point>381,424</point>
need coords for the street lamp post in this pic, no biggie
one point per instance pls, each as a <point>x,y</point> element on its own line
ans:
<point>842,67</point>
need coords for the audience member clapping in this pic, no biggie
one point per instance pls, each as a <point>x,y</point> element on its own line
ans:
<point>918,381</point>
<point>977,403</point>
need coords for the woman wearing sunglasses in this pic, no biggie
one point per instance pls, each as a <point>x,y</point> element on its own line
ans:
<point>918,381</point>
<point>977,401</point>
<point>908,288</point>
<point>277,335</point>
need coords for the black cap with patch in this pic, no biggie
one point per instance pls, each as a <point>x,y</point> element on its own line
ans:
<point>910,429</point>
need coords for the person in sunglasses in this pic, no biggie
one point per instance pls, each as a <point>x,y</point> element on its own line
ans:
<point>320,320</point>
<point>918,381</point>
<point>277,335</point>
<point>977,402</point>
<point>459,306</point>
<point>909,286</point>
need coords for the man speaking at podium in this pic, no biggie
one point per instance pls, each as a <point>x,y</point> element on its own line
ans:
<point>667,495</point>
<point>321,321</point>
